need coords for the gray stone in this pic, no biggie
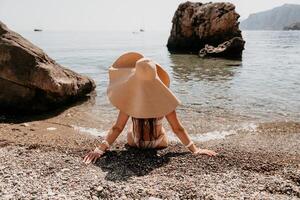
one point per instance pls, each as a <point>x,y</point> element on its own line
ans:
<point>232,48</point>
<point>292,27</point>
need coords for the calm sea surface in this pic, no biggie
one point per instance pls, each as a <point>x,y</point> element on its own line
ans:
<point>216,93</point>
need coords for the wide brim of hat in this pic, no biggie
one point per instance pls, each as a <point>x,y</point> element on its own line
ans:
<point>163,75</point>
<point>128,60</point>
<point>140,99</point>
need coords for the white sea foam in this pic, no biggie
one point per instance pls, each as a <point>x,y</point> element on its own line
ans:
<point>219,134</point>
<point>51,129</point>
<point>212,135</point>
<point>92,131</point>
<point>251,127</point>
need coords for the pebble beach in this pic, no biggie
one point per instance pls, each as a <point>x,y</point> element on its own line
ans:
<point>239,93</point>
<point>42,159</point>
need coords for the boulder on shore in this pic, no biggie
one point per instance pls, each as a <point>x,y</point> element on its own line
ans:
<point>292,27</point>
<point>235,46</point>
<point>196,25</point>
<point>30,81</point>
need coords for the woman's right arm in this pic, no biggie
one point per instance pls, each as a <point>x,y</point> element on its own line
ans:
<point>112,135</point>
<point>183,136</point>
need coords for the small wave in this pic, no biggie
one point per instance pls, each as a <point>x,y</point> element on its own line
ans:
<point>212,135</point>
<point>216,135</point>
<point>92,131</point>
<point>250,127</point>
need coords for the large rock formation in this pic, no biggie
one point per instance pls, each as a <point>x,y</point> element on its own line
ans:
<point>229,49</point>
<point>31,81</point>
<point>275,19</point>
<point>197,24</point>
<point>292,27</point>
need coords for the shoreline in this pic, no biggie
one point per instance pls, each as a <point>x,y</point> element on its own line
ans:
<point>41,163</point>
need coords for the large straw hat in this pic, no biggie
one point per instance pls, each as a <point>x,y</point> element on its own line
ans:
<point>139,87</point>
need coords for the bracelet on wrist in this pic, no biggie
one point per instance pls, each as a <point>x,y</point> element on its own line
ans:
<point>197,151</point>
<point>97,150</point>
<point>189,144</point>
<point>105,143</point>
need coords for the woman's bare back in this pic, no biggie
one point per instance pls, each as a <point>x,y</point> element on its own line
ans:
<point>160,139</point>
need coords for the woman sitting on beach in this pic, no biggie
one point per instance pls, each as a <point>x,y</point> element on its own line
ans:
<point>138,87</point>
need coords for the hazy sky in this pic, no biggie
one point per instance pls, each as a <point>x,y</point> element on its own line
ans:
<point>106,14</point>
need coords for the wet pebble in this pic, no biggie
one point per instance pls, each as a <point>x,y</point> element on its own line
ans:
<point>51,129</point>
<point>154,198</point>
<point>25,125</point>
<point>99,188</point>
<point>65,170</point>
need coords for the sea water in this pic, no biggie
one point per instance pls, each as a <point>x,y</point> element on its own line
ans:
<point>217,94</point>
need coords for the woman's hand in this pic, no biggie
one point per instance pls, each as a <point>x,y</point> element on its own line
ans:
<point>205,152</point>
<point>92,157</point>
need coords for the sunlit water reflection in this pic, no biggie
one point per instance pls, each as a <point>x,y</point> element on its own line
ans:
<point>216,93</point>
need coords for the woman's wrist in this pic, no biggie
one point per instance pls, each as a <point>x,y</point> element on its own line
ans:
<point>98,150</point>
<point>194,149</point>
<point>103,146</point>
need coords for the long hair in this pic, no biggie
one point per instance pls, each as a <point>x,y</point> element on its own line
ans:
<point>142,126</point>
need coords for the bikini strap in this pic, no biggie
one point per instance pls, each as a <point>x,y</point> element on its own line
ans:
<point>159,121</point>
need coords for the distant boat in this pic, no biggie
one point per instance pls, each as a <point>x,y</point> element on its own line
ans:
<point>137,32</point>
<point>38,30</point>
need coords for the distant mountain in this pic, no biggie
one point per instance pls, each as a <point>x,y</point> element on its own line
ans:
<point>275,19</point>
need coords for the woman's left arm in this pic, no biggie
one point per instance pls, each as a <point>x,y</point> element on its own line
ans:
<point>112,135</point>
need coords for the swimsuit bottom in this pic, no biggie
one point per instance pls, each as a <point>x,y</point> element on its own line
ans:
<point>148,144</point>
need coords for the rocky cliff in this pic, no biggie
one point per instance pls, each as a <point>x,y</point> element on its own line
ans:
<point>196,25</point>
<point>275,19</point>
<point>30,81</point>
